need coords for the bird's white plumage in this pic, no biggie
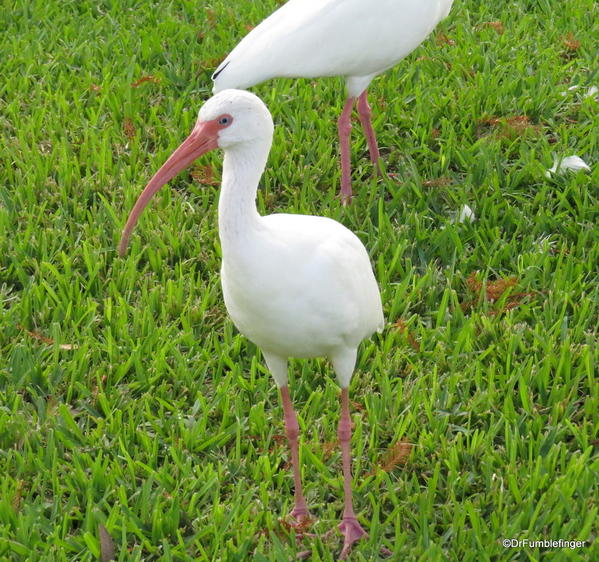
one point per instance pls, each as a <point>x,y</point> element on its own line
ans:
<point>296,285</point>
<point>357,39</point>
<point>305,288</point>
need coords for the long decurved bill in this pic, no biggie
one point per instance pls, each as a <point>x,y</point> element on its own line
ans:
<point>202,139</point>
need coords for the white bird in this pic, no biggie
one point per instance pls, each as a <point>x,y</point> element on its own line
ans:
<point>356,39</point>
<point>295,285</point>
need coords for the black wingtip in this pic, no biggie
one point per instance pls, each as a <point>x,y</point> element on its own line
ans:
<point>219,70</point>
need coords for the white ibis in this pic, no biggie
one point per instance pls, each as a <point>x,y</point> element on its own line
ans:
<point>356,39</point>
<point>295,285</point>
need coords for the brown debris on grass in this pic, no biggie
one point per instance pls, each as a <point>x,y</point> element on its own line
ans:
<point>508,127</point>
<point>496,25</point>
<point>148,78</point>
<point>204,175</point>
<point>442,39</point>
<point>570,42</point>
<point>494,291</point>
<point>357,405</point>
<point>39,337</point>
<point>437,182</point>
<point>300,527</point>
<point>328,448</point>
<point>402,328</point>
<point>397,455</point>
<point>129,128</point>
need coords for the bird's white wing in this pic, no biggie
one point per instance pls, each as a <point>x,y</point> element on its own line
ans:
<point>311,38</point>
<point>271,48</point>
<point>337,265</point>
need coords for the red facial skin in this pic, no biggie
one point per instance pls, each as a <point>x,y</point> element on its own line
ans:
<point>202,139</point>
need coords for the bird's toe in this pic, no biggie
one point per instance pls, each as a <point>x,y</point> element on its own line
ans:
<point>351,531</point>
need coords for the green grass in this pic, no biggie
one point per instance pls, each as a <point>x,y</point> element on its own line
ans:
<point>161,422</point>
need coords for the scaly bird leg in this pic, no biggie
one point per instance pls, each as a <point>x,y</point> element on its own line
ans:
<point>365,113</point>
<point>300,511</point>
<point>349,527</point>
<point>344,127</point>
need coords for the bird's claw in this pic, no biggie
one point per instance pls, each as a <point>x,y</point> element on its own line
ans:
<point>351,531</point>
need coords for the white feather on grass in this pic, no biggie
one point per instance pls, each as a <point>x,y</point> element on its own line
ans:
<point>573,163</point>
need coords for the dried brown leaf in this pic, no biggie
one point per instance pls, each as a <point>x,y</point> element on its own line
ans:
<point>441,39</point>
<point>570,41</point>
<point>402,328</point>
<point>357,405</point>
<point>39,337</point>
<point>437,182</point>
<point>494,291</point>
<point>397,454</point>
<point>496,25</point>
<point>204,174</point>
<point>129,128</point>
<point>107,550</point>
<point>148,78</point>
<point>327,449</point>
<point>298,527</point>
<point>510,127</point>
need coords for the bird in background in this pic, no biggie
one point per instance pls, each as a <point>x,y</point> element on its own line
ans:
<point>295,285</point>
<point>356,39</point>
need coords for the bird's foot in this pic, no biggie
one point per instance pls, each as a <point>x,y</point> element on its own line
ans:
<point>300,521</point>
<point>351,531</point>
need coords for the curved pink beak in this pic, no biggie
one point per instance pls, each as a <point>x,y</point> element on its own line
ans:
<point>202,139</point>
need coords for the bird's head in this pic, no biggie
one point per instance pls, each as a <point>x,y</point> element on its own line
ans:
<point>228,119</point>
<point>237,117</point>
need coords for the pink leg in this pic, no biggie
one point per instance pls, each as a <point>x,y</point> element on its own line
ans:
<point>349,527</point>
<point>300,511</point>
<point>344,127</point>
<point>364,112</point>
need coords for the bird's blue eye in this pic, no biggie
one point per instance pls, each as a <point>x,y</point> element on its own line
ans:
<point>224,120</point>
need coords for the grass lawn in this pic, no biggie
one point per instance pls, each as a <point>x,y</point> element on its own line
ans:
<point>129,401</point>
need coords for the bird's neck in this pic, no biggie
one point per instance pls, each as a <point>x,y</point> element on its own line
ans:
<point>238,218</point>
